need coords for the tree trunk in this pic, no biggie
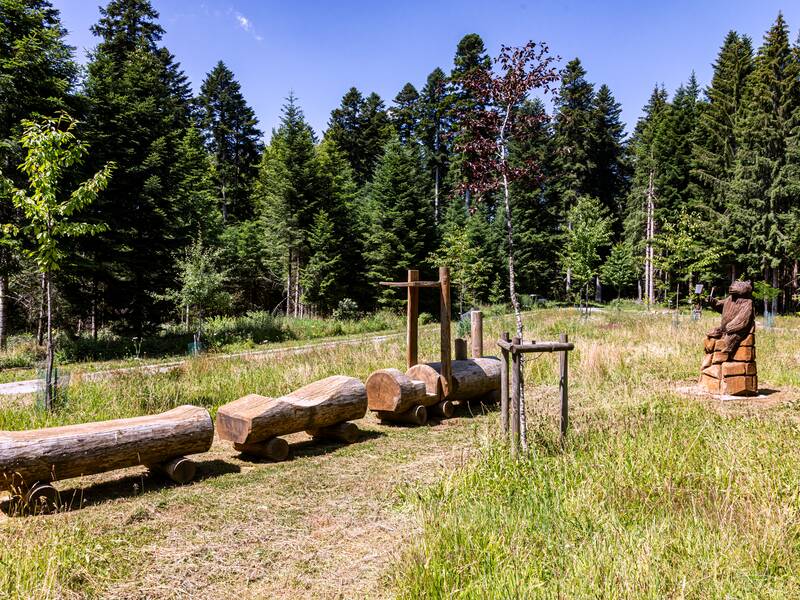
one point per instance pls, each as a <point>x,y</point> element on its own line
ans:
<point>40,325</point>
<point>76,450</point>
<point>436,195</point>
<point>49,384</point>
<point>324,403</point>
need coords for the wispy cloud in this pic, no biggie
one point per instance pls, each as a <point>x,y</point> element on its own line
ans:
<point>247,25</point>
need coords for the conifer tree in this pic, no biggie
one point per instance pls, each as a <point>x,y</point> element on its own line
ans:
<point>766,180</point>
<point>138,114</point>
<point>405,113</point>
<point>401,235</point>
<point>360,127</point>
<point>434,132</point>
<point>37,74</point>
<point>286,194</point>
<point>232,136</point>
<point>608,183</point>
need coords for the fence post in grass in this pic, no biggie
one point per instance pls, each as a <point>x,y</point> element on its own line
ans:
<point>516,378</point>
<point>563,385</point>
<point>504,388</point>
<point>460,347</point>
<point>444,318</point>
<point>476,333</point>
<point>412,327</point>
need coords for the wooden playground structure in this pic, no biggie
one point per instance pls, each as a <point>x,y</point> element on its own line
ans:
<point>30,461</point>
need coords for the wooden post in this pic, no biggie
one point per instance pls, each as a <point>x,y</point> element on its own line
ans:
<point>412,327</point>
<point>460,348</point>
<point>563,386</point>
<point>476,333</point>
<point>515,383</point>
<point>444,318</point>
<point>504,388</point>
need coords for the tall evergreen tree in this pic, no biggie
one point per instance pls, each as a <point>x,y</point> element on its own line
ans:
<point>138,114</point>
<point>405,113</point>
<point>232,136</point>
<point>37,74</point>
<point>572,139</point>
<point>766,181</point>
<point>360,127</point>
<point>401,235</point>
<point>287,197</point>
<point>434,131</point>
<point>609,180</point>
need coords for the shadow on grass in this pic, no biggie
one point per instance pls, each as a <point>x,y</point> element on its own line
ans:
<point>128,486</point>
<point>313,447</point>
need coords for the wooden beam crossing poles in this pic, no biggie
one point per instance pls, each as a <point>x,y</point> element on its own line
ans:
<point>476,333</point>
<point>516,348</point>
<point>412,326</point>
<point>563,387</point>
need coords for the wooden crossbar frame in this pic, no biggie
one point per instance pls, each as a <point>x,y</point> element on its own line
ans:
<point>413,284</point>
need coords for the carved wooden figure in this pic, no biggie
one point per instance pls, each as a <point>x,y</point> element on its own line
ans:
<point>729,364</point>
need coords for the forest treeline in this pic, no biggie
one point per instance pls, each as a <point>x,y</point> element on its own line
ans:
<point>704,190</point>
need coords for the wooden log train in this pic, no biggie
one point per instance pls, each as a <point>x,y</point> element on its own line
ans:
<point>30,461</point>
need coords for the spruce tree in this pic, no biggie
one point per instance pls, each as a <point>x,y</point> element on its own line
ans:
<point>573,142</point>
<point>360,127</point>
<point>405,113</point>
<point>37,74</point>
<point>609,182</point>
<point>766,182</point>
<point>138,113</point>
<point>434,132</point>
<point>232,136</point>
<point>401,235</point>
<point>286,194</point>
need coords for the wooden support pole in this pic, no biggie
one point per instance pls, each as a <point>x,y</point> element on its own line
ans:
<point>504,389</point>
<point>516,379</point>
<point>444,318</point>
<point>180,470</point>
<point>476,333</point>
<point>276,449</point>
<point>346,432</point>
<point>417,415</point>
<point>443,409</point>
<point>412,327</point>
<point>460,345</point>
<point>563,385</point>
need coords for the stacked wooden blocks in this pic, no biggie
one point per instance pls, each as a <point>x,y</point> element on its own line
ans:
<point>730,374</point>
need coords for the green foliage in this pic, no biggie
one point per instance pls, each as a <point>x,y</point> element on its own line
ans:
<point>51,150</point>
<point>468,269</point>
<point>589,233</point>
<point>232,138</point>
<point>621,268</point>
<point>347,310</point>
<point>401,234</point>
<point>202,284</point>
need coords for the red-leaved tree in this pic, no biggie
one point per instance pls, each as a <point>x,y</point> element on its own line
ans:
<point>490,124</point>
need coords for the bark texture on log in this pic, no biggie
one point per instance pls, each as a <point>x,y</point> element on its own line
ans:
<point>472,378</point>
<point>391,390</point>
<point>276,449</point>
<point>75,450</point>
<point>255,418</point>
<point>343,432</point>
<point>414,416</point>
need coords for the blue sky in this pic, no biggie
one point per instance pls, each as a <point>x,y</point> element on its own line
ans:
<point>320,49</point>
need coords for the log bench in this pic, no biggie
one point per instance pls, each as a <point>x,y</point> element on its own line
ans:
<point>31,460</point>
<point>323,409</point>
<point>411,396</point>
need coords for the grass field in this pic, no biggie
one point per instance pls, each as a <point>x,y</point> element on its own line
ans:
<point>656,494</point>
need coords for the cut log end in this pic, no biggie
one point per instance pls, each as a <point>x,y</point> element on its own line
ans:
<point>41,498</point>
<point>181,470</point>
<point>392,391</point>
<point>276,449</point>
<point>444,409</point>
<point>417,415</point>
<point>343,432</point>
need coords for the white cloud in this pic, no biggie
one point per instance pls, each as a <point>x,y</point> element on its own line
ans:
<point>247,25</point>
<point>244,22</point>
